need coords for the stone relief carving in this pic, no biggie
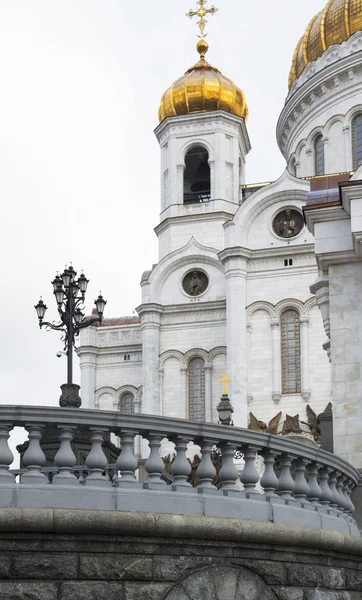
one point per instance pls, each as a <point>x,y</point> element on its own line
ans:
<point>221,583</point>
<point>288,223</point>
<point>195,283</point>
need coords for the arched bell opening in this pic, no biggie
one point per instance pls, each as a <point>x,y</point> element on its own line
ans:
<point>197,184</point>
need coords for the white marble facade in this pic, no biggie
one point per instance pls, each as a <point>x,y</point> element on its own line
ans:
<point>254,274</point>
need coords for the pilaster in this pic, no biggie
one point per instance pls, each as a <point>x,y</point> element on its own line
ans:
<point>276,366</point>
<point>150,315</point>
<point>235,261</point>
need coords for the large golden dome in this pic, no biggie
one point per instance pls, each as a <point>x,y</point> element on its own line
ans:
<point>334,24</point>
<point>202,89</point>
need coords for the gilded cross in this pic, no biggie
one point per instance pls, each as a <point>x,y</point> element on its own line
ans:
<point>201,12</point>
<point>225,380</point>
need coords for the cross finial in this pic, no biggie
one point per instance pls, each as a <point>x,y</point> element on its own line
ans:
<point>224,380</point>
<point>201,12</point>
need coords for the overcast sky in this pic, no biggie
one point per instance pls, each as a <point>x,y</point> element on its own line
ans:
<point>81,82</point>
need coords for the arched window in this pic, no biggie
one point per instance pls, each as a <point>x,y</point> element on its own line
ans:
<point>290,351</point>
<point>126,403</point>
<point>357,142</point>
<point>197,187</point>
<point>196,377</point>
<point>293,167</point>
<point>319,155</point>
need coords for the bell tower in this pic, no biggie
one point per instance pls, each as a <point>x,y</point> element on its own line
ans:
<point>204,142</point>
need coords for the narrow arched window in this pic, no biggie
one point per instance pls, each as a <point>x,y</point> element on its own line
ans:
<point>197,185</point>
<point>319,155</point>
<point>126,403</point>
<point>196,379</point>
<point>290,351</point>
<point>357,142</point>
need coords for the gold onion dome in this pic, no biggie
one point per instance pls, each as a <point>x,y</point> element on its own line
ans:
<point>202,89</point>
<point>335,23</point>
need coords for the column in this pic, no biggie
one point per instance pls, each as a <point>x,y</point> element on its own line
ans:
<point>326,157</point>
<point>310,167</point>
<point>208,393</point>
<point>248,363</point>
<point>161,375</point>
<point>150,315</point>
<point>184,397</point>
<point>212,178</point>
<point>88,363</point>
<point>347,146</point>
<point>276,391</point>
<point>304,348</point>
<point>180,183</point>
<point>235,261</point>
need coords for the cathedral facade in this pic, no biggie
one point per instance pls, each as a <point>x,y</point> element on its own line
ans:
<point>231,289</point>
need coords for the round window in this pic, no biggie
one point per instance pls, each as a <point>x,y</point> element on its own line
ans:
<point>195,283</point>
<point>288,223</point>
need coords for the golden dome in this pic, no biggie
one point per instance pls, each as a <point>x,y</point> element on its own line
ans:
<point>202,89</point>
<point>334,24</point>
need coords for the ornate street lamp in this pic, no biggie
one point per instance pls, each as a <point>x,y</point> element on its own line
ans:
<point>69,295</point>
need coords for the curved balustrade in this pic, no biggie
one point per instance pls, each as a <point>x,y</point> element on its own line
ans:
<point>298,485</point>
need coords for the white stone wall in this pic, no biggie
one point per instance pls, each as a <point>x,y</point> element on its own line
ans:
<point>345,295</point>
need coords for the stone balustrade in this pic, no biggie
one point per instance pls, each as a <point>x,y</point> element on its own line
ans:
<point>298,485</point>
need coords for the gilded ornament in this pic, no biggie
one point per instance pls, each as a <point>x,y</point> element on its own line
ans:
<point>335,23</point>
<point>202,88</point>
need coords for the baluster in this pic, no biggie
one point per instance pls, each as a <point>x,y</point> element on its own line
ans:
<point>65,458</point>
<point>34,458</point>
<point>269,481</point>
<point>181,468</point>
<point>206,470</point>
<point>228,472</point>
<point>286,481</point>
<point>6,456</point>
<point>342,504</point>
<point>314,490</point>
<point>249,475</point>
<point>332,486</point>
<point>96,460</point>
<point>350,488</point>
<point>326,496</point>
<point>301,487</point>
<point>127,462</point>
<point>154,464</point>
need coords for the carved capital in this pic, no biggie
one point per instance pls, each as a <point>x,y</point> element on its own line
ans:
<point>275,323</point>
<point>304,320</point>
<point>276,396</point>
<point>306,395</point>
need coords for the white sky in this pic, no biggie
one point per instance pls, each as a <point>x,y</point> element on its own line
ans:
<point>81,82</point>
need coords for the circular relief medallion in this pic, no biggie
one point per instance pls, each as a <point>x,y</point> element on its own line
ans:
<point>195,283</point>
<point>288,223</point>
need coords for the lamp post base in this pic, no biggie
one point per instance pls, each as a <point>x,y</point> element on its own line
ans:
<point>70,396</point>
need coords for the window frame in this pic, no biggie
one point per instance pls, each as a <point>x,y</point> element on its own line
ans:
<point>287,351</point>
<point>319,155</point>
<point>132,403</point>
<point>196,413</point>
<point>356,155</point>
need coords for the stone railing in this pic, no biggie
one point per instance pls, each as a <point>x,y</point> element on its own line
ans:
<point>276,480</point>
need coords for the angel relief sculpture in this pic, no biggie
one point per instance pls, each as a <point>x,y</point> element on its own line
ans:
<point>256,425</point>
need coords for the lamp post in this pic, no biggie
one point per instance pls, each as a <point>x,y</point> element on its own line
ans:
<point>69,295</point>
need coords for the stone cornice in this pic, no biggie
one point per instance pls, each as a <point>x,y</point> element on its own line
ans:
<point>201,118</point>
<point>323,212</point>
<point>351,190</point>
<point>194,307</point>
<point>205,216</point>
<point>234,252</point>
<point>148,308</point>
<point>158,525</point>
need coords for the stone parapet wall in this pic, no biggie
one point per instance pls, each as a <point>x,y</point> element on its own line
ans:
<point>50,554</point>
